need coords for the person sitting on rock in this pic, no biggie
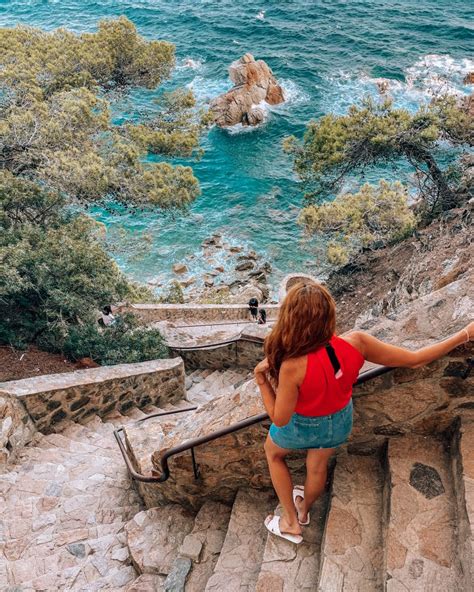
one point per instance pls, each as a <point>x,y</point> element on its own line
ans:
<point>253,308</point>
<point>306,384</point>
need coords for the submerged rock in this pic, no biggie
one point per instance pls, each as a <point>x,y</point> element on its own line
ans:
<point>254,83</point>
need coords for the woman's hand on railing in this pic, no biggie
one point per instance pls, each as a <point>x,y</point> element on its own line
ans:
<point>260,371</point>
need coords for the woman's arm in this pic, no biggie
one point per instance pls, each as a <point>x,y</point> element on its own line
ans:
<point>379,352</point>
<point>279,406</point>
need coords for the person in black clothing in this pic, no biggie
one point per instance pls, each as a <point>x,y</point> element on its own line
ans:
<point>253,308</point>
<point>262,316</point>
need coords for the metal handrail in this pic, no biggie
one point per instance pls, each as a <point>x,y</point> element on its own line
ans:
<point>217,323</point>
<point>194,442</point>
<point>217,344</point>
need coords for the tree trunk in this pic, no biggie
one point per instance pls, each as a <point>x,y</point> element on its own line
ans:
<point>446,195</point>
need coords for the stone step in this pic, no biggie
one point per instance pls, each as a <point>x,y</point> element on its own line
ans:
<point>147,583</point>
<point>150,409</point>
<point>154,537</point>
<point>116,419</point>
<point>62,519</point>
<point>135,413</point>
<point>421,535</point>
<point>84,579</point>
<point>352,549</point>
<point>462,452</point>
<point>238,566</point>
<point>99,439</point>
<point>204,544</point>
<point>98,557</point>
<point>62,512</point>
<point>287,567</point>
<point>216,383</point>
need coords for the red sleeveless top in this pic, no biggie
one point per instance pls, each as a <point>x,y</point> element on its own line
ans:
<point>323,391</point>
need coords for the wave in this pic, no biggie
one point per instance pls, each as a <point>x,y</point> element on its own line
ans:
<point>206,89</point>
<point>431,75</point>
<point>189,63</point>
<point>293,94</point>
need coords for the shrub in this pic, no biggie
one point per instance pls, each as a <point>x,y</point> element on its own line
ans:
<point>375,216</point>
<point>125,341</point>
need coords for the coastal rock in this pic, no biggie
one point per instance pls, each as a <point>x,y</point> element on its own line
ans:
<point>254,83</point>
<point>180,268</point>
<point>469,78</point>
<point>247,292</point>
<point>244,266</point>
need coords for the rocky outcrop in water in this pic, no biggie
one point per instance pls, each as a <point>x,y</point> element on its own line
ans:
<point>254,83</point>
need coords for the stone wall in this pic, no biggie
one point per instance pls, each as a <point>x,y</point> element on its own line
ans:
<point>195,313</point>
<point>16,427</point>
<point>54,398</point>
<point>238,354</point>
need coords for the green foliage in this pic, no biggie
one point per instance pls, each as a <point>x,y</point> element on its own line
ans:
<point>124,342</point>
<point>55,123</point>
<point>53,278</point>
<point>335,147</point>
<point>176,127</point>
<point>59,148</point>
<point>373,216</point>
<point>173,295</point>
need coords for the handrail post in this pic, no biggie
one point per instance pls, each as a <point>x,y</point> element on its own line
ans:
<point>196,470</point>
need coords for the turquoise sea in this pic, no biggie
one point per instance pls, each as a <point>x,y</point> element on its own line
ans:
<point>326,53</point>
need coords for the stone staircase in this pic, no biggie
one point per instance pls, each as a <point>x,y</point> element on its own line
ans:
<point>389,522</point>
<point>64,505</point>
<point>66,500</point>
<point>204,385</point>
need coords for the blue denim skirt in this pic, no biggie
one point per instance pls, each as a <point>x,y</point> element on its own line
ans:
<point>325,431</point>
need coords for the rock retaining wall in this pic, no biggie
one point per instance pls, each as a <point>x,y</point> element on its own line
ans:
<point>196,313</point>
<point>238,354</point>
<point>53,398</point>
<point>16,427</point>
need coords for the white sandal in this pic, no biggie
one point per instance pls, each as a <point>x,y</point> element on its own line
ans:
<point>273,525</point>
<point>299,492</point>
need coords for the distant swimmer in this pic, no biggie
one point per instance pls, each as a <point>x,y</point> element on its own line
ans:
<point>261,15</point>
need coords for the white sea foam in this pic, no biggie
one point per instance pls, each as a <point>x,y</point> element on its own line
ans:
<point>189,63</point>
<point>293,94</point>
<point>206,89</point>
<point>261,15</point>
<point>429,76</point>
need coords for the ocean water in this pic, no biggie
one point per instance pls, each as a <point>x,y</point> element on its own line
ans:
<point>327,54</point>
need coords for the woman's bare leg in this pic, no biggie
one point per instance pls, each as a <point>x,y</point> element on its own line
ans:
<point>316,475</point>
<point>283,484</point>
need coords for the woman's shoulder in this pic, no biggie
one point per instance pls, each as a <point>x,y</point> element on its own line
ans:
<point>354,339</point>
<point>294,363</point>
<point>294,367</point>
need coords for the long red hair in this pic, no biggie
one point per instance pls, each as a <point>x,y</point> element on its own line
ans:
<point>306,322</point>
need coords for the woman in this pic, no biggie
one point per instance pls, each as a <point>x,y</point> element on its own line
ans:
<point>306,384</point>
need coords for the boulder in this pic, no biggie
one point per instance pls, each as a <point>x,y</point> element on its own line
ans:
<point>180,268</point>
<point>254,84</point>
<point>244,266</point>
<point>247,292</point>
<point>469,78</point>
